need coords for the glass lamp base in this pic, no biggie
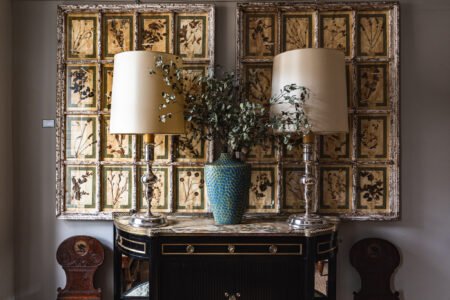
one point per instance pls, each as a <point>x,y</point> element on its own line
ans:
<point>145,220</point>
<point>306,221</point>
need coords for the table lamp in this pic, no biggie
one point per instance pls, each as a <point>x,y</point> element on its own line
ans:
<point>137,95</point>
<point>322,73</point>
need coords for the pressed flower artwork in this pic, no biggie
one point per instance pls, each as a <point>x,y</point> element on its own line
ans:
<point>335,146</point>
<point>334,188</point>
<point>115,146</point>
<point>372,85</point>
<point>258,79</point>
<point>81,87</point>
<point>260,35</point>
<point>368,35</point>
<point>117,187</point>
<point>81,142</point>
<point>262,152</point>
<point>372,134</point>
<point>372,188</point>
<point>297,32</point>
<point>117,34</point>
<point>190,189</point>
<point>80,187</point>
<point>107,79</point>
<point>190,148</point>
<point>191,75</point>
<point>155,33</point>
<point>160,199</point>
<point>262,189</point>
<point>372,35</point>
<point>335,32</point>
<point>293,196</point>
<point>161,150</point>
<point>82,36</point>
<point>191,36</point>
<point>105,168</point>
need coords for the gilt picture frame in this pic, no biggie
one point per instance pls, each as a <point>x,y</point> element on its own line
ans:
<point>358,173</point>
<point>98,173</point>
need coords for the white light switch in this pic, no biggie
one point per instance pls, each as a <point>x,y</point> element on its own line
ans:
<point>48,123</point>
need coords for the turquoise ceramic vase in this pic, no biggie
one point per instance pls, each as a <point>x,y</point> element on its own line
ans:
<point>227,183</point>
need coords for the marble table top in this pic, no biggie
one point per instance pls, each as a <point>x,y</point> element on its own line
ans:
<point>200,226</point>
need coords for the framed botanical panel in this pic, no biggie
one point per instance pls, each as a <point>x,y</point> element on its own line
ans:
<point>297,31</point>
<point>357,172</point>
<point>98,172</point>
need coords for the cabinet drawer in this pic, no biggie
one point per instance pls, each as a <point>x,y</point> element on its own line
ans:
<point>231,249</point>
<point>130,245</point>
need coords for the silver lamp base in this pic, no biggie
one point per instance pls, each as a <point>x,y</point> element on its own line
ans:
<point>145,220</point>
<point>306,221</point>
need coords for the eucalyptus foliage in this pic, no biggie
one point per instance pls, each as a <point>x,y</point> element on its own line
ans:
<point>220,112</point>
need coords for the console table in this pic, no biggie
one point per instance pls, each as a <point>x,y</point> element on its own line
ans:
<point>193,259</point>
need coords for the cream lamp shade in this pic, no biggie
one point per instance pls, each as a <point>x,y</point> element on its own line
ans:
<point>137,93</point>
<point>322,72</point>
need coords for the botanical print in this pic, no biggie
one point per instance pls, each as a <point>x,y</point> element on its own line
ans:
<point>107,79</point>
<point>189,148</point>
<point>293,194</point>
<point>262,152</point>
<point>295,153</point>
<point>191,74</point>
<point>117,186</point>
<point>262,189</point>
<point>82,37</point>
<point>372,36</point>
<point>81,137</point>
<point>115,146</point>
<point>260,36</point>
<point>334,146</point>
<point>372,84</point>
<point>80,187</point>
<point>334,187</point>
<point>190,189</point>
<point>90,37</point>
<point>118,34</point>
<point>259,83</point>
<point>297,32</point>
<point>161,150</point>
<point>372,188</point>
<point>372,133</point>
<point>154,34</point>
<point>335,32</point>
<point>160,199</point>
<point>191,36</point>
<point>81,86</point>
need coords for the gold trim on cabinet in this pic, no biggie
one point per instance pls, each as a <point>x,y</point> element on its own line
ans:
<point>120,243</point>
<point>229,252</point>
<point>325,251</point>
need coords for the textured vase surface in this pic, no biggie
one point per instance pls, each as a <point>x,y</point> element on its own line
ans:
<point>228,183</point>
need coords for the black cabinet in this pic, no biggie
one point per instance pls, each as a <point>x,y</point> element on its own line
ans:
<point>218,264</point>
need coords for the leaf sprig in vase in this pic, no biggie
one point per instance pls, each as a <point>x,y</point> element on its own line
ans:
<point>220,113</point>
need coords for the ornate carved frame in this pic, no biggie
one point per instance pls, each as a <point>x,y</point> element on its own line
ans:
<point>99,10</point>
<point>391,164</point>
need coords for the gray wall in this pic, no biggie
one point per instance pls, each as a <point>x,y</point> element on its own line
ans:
<point>6,156</point>
<point>422,235</point>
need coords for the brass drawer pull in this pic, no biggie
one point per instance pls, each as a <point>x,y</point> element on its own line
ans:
<point>273,249</point>
<point>190,249</point>
<point>231,248</point>
<point>130,245</point>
